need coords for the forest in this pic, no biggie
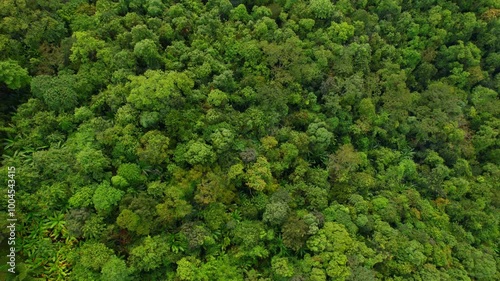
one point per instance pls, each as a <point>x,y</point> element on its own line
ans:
<point>258,140</point>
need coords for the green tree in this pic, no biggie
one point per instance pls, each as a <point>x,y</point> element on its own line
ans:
<point>322,9</point>
<point>345,161</point>
<point>94,227</point>
<point>56,93</point>
<point>115,269</point>
<point>222,139</point>
<point>154,148</point>
<point>320,137</point>
<point>258,176</point>
<point>132,173</point>
<point>294,233</point>
<point>175,206</point>
<point>128,219</point>
<point>146,50</point>
<point>92,162</point>
<point>105,197</point>
<point>150,254</point>
<point>85,48</point>
<point>196,152</point>
<point>94,255</point>
<point>217,98</point>
<point>276,213</point>
<point>240,13</point>
<point>281,267</point>
<point>13,75</point>
<point>157,91</point>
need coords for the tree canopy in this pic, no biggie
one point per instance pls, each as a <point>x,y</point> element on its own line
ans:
<point>254,140</point>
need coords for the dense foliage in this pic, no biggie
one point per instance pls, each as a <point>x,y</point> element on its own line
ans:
<point>253,140</point>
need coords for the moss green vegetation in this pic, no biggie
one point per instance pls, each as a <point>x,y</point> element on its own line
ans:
<point>252,140</point>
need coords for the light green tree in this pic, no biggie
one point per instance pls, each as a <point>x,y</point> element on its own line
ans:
<point>106,197</point>
<point>13,75</point>
<point>322,9</point>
